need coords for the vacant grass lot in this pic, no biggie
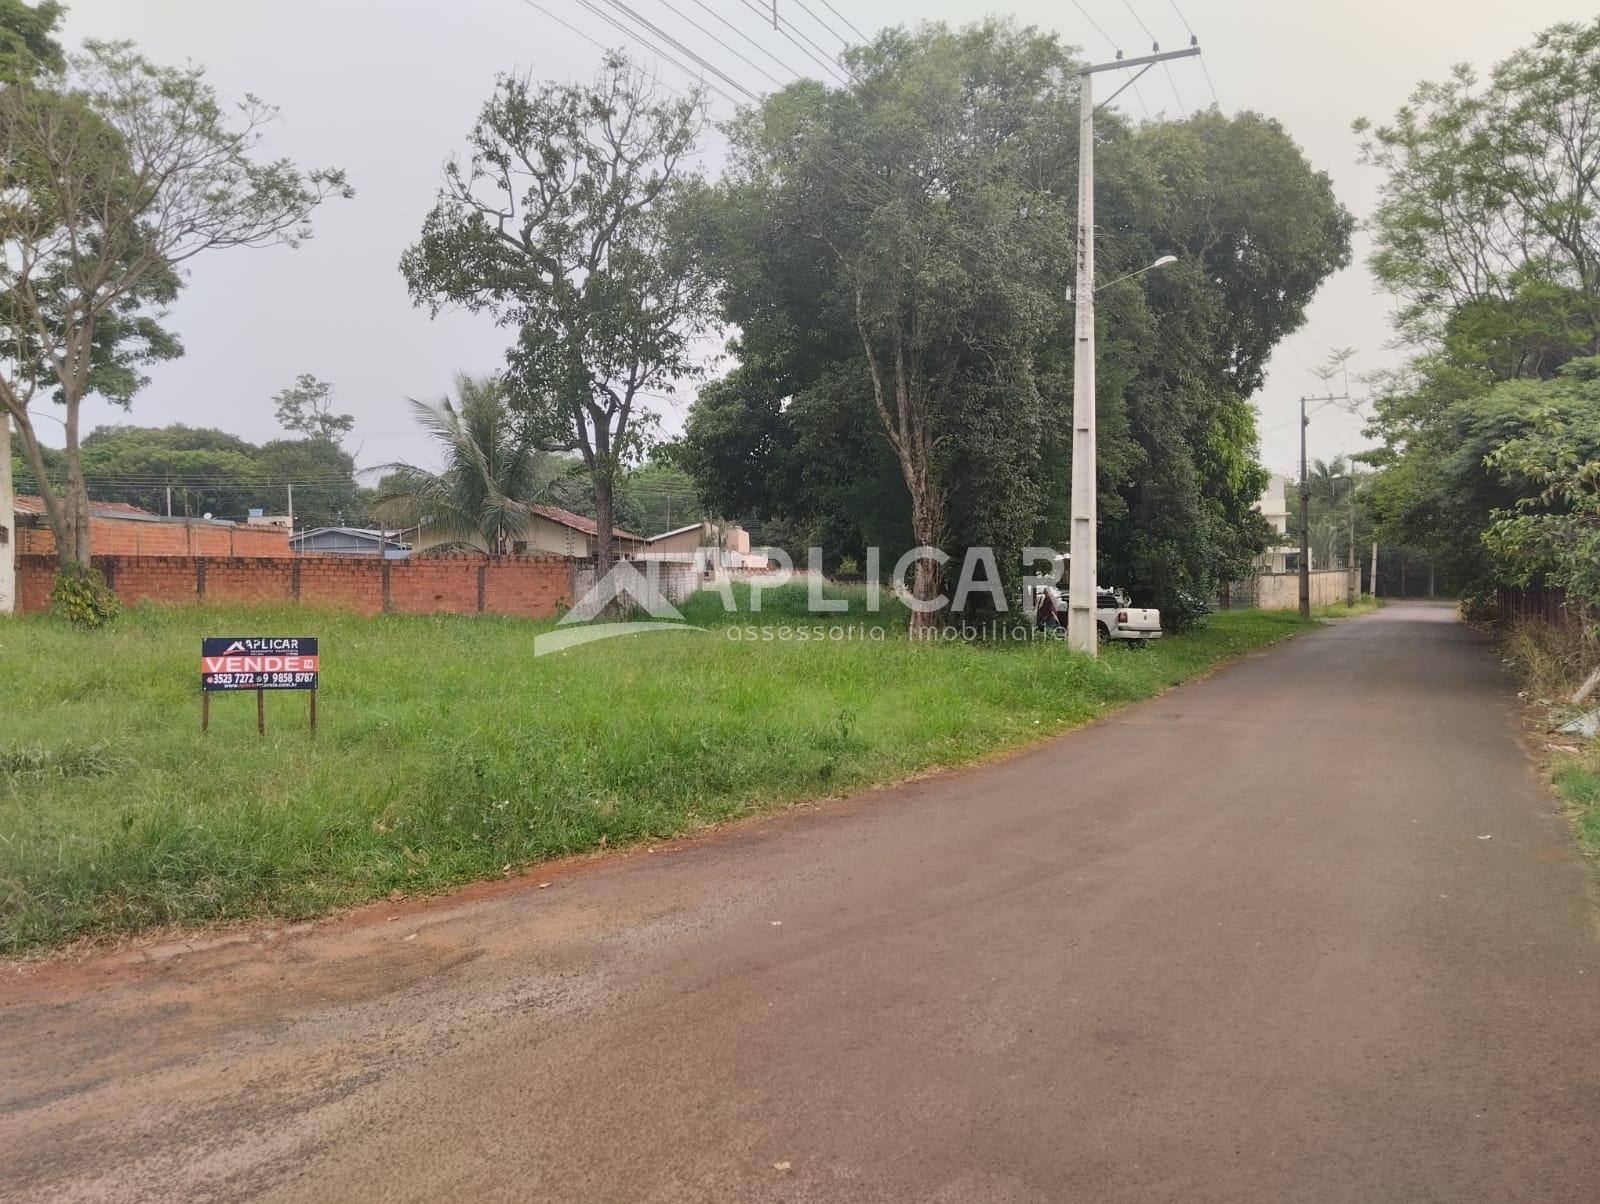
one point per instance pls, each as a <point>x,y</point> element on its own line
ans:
<point>446,752</point>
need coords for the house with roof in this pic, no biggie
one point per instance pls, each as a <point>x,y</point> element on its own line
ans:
<point>549,531</point>
<point>707,545</point>
<point>1284,554</point>
<point>351,541</point>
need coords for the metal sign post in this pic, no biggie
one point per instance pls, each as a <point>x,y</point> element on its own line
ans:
<point>259,663</point>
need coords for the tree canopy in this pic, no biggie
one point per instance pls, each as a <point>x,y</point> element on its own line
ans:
<point>119,172</point>
<point>306,408</point>
<point>560,223</point>
<point>212,472</point>
<point>1489,231</point>
<point>493,472</point>
<point>894,256</point>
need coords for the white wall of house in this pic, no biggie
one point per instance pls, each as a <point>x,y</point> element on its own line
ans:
<point>682,544</point>
<point>1284,556</point>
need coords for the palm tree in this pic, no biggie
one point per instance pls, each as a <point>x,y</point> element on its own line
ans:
<point>492,476</point>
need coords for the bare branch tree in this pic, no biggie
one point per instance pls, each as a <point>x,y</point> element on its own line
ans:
<point>561,224</point>
<point>119,172</point>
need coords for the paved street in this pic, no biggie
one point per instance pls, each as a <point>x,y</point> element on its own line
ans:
<point>1309,930</point>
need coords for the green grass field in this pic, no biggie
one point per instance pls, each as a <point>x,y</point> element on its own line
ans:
<point>447,752</point>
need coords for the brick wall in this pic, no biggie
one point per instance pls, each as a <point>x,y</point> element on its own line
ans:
<point>141,537</point>
<point>527,586</point>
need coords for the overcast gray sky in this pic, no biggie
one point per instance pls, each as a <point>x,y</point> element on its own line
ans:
<point>387,90</point>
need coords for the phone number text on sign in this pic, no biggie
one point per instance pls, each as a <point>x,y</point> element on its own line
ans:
<point>258,663</point>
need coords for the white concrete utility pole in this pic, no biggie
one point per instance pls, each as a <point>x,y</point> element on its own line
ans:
<point>1305,501</point>
<point>1081,632</point>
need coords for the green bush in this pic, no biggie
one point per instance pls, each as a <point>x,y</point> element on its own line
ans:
<point>81,596</point>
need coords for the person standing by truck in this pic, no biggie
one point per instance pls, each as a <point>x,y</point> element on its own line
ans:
<point>1047,617</point>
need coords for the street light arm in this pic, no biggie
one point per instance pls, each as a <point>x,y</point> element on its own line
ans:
<point>1149,267</point>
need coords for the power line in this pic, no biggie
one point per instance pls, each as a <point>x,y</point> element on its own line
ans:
<point>563,21</point>
<point>646,23</point>
<point>821,61</point>
<point>1172,79</point>
<point>1194,40</point>
<point>853,175</point>
<point>652,47</point>
<point>843,41</point>
<point>747,38</point>
<point>1111,41</point>
<point>848,23</point>
<point>737,54</point>
<point>1155,45</point>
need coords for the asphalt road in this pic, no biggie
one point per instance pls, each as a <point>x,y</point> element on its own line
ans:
<point>1309,930</point>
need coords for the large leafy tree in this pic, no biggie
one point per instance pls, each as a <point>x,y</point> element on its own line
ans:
<point>119,171</point>
<point>28,46</point>
<point>1488,230</point>
<point>897,229</point>
<point>1552,533</point>
<point>493,471</point>
<point>560,222</point>
<point>1487,211</point>
<point>951,220</point>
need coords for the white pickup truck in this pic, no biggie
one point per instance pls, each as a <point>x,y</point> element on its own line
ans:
<point>1115,618</point>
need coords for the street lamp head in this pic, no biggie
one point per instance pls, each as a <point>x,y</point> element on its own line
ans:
<point>1164,261</point>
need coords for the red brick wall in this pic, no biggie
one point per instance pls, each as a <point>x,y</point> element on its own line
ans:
<point>527,586</point>
<point>348,582</point>
<point>157,578</point>
<point>134,537</point>
<point>437,583</point>
<point>34,574</point>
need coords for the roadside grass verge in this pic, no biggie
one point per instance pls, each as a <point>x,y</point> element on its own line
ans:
<point>1578,781</point>
<point>1364,606</point>
<point>446,752</point>
<point>1553,659</point>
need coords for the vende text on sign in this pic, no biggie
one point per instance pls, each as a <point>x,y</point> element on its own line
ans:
<point>258,663</point>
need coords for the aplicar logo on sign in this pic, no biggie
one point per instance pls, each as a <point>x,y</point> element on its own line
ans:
<point>258,663</point>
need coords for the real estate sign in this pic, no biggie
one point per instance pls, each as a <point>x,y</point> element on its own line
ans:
<point>258,663</point>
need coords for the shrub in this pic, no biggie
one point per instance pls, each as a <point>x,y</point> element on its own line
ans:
<point>81,596</point>
<point>1185,611</point>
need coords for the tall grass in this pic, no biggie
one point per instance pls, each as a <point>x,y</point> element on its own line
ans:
<point>1552,658</point>
<point>447,752</point>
